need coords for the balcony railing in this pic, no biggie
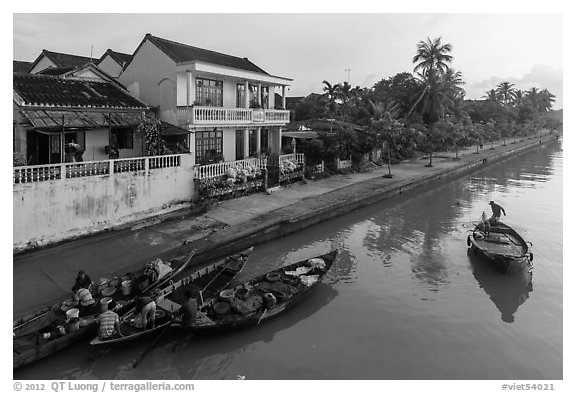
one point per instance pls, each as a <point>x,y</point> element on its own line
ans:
<point>216,170</point>
<point>36,173</point>
<point>210,115</point>
<point>297,158</point>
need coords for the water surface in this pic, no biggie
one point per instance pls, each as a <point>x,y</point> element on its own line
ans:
<point>405,300</point>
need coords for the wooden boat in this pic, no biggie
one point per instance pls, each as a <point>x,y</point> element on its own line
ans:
<point>204,283</point>
<point>48,330</point>
<point>262,297</point>
<point>502,247</point>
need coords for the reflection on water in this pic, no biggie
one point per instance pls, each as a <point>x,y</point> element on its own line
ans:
<point>403,301</point>
<point>507,291</point>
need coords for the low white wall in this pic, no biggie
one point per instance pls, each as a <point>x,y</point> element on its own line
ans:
<point>55,210</point>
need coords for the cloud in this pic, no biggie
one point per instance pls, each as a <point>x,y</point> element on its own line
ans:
<point>541,76</point>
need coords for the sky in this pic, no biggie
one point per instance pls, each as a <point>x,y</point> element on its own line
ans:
<point>360,48</point>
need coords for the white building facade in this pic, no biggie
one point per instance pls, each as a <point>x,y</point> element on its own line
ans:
<point>225,101</point>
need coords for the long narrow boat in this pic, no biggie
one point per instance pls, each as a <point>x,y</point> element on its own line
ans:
<point>502,247</point>
<point>47,331</point>
<point>262,297</point>
<point>205,284</point>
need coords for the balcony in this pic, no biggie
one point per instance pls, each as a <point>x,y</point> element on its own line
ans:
<point>215,116</point>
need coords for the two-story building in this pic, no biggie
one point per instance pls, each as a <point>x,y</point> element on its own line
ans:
<point>227,102</point>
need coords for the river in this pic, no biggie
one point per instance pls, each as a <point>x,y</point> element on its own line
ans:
<point>405,300</point>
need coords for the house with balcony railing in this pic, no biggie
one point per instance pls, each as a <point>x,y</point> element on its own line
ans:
<point>227,102</point>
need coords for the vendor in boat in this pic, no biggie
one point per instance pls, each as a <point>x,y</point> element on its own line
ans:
<point>84,300</point>
<point>109,323</point>
<point>497,210</point>
<point>189,309</point>
<point>145,308</point>
<point>82,279</point>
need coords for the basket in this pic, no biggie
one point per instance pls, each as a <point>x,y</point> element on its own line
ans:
<point>222,308</point>
<point>241,293</point>
<point>107,292</point>
<point>227,294</point>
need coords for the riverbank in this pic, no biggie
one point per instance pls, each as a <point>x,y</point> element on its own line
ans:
<point>44,276</point>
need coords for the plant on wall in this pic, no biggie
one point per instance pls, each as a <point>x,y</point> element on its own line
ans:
<point>150,129</point>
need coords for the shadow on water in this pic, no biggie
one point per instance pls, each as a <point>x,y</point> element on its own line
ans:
<point>507,291</point>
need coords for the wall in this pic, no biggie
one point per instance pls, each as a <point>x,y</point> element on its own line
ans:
<point>229,144</point>
<point>151,77</point>
<point>42,65</point>
<point>47,212</point>
<point>95,142</point>
<point>109,66</point>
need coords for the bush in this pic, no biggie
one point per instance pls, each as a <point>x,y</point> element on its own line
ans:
<point>19,159</point>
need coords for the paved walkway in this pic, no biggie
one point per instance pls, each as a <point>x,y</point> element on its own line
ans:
<point>46,276</point>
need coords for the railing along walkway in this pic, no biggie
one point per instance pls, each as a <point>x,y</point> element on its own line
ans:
<point>36,173</point>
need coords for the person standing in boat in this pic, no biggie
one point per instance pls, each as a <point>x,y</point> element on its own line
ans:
<point>497,210</point>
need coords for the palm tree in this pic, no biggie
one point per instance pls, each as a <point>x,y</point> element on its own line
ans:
<point>505,90</point>
<point>532,97</point>
<point>437,98</point>
<point>517,96</point>
<point>440,83</point>
<point>441,92</point>
<point>332,93</point>
<point>432,55</point>
<point>491,95</point>
<point>546,99</point>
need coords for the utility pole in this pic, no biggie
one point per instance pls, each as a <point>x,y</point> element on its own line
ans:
<point>348,71</point>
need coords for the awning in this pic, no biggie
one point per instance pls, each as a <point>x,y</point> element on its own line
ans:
<point>300,134</point>
<point>81,119</point>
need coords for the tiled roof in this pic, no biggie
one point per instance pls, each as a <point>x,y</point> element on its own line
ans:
<point>62,59</point>
<point>21,66</point>
<point>55,70</point>
<point>182,53</point>
<point>52,91</point>
<point>66,60</point>
<point>119,57</point>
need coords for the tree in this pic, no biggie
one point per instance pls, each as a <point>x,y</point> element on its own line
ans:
<point>491,95</point>
<point>504,91</point>
<point>402,89</point>
<point>440,84</point>
<point>332,94</point>
<point>150,129</point>
<point>432,55</point>
<point>517,97</point>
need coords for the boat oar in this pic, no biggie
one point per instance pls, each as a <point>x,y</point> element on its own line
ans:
<point>151,347</point>
<point>262,316</point>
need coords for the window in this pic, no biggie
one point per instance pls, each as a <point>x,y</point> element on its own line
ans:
<point>209,92</point>
<point>123,138</point>
<point>208,146</point>
<point>264,96</point>
<point>253,95</point>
